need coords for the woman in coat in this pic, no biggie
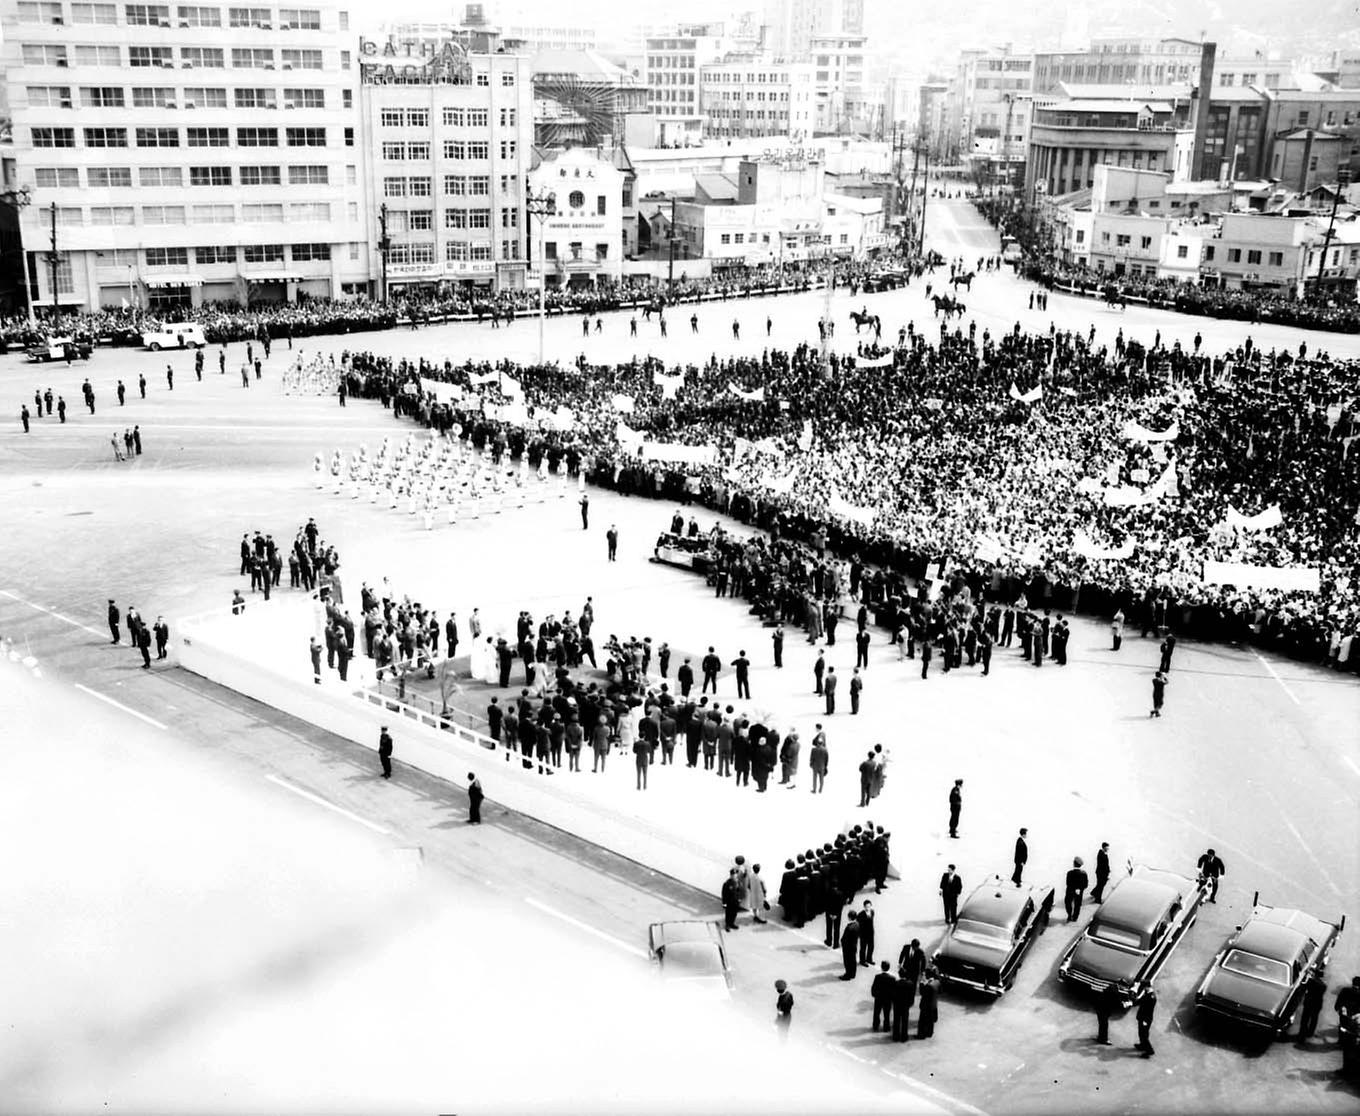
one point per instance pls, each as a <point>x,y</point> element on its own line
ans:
<point>755,894</point>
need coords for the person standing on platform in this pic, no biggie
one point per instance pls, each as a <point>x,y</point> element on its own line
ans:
<point>143,638</point>
<point>1108,1001</point>
<point>742,665</point>
<point>856,686</point>
<point>475,797</point>
<point>829,690</point>
<point>385,752</point>
<point>1117,629</point>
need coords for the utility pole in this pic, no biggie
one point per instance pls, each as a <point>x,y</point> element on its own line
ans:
<point>542,205</point>
<point>52,260</point>
<point>925,192</point>
<point>1343,177</point>
<point>670,269</point>
<point>915,166</point>
<point>384,246</point>
<point>20,200</point>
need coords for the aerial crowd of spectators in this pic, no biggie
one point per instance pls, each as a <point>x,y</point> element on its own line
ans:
<point>930,464</point>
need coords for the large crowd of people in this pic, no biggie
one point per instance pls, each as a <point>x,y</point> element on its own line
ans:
<point>1040,464</point>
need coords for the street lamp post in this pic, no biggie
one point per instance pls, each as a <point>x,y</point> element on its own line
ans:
<point>542,205</point>
<point>18,200</point>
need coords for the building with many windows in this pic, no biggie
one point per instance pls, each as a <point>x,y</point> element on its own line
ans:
<point>673,63</point>
<point>449,134</point>
<point>751,95</point>
<point>581,243</point>
<point>183,153</point>
<point>838,82</point>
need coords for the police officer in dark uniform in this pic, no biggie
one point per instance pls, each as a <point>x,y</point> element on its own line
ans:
<point>385,752</point>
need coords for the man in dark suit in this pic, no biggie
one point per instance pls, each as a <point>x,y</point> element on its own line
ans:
<point>1021,856</point>
<point>1147,1009</point>
<point>731,901</point>
<point>114,617</point>
<point>951,887</point>
<point>850,948</point>
<point>1076,889</point>
<point>1102,872</point>
<point>882,989</point>
<point>612,537</point>
<point>742,665</point>
<point>475,797</point>
<point>385,752</point>
<point>162,631</point>
<point>834,903</point>
<point>143,637</point>
<point>955,807</point>
<point>710,665</point>
<point>1211,868</point>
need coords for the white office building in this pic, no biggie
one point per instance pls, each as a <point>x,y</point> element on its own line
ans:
<point>581,243</point>
<point>751,95</point>
<point>186,153</point>
<point>449,135</point>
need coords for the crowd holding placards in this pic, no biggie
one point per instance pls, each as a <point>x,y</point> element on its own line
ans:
<point>1022,463</point>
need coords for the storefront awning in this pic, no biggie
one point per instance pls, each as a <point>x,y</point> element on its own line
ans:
<point>157,282</point>
<point>274,277</point>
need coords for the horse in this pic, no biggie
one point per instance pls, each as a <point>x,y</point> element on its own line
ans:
<point>1113,297</point>
<point>947,305</point>
<point>964,279</point>
<point>863,318</point>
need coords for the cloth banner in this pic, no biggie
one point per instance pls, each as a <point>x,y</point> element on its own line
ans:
<point>782,485</point>
<point>1136,432</point>
<point>1333,416</point>
<point>990,549</point>
<point>767,445</point>
<point>678,451</point>
<point>670,385</point>
<point>441,392</point>
<point>740,448</point>
<point>561,419</point>
<point>934,404</point>
<point>1304,579</point>
<point>1264,521</point>
<point>624,404</point>
<point>757,396</point>
<point>629,439</point>
<point>1032,396</point>
<point>1139,476</point>
<point>805,438</point>
<point>1083,545</point>
<point>884,361</point>
<point>842,507</point>
<point>483,378</point>
<point>511,389</point>
<point>1089,486</point>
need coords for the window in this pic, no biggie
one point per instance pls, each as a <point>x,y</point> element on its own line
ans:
<point>351,211</point>
<point>252,58</point>
<point>257,137</point>
<point>351,174</point>
<point>150,56</point>
<point>108,177</point>
<point>214,214</point>
<point>160,96</point>
<point>739,238</point>
<point>305,19</point>
<point>455,251</point>
<point>101,96</point>
<point>255,99</point>
<point>158,136</point>
<point>345,60</point>
<point>110,215</point>
<point>479,218</point>
<point>70,215</point>
<point>314,211</point>
<point>263,253</point>
<point>306,137</point>
<point>260,176</point>
<point>479,151</point>
<point>478,118</point>
<point>88,56</point>
<point>106,14</point>
<point>310,175</point>
<point>106,137</point>
<point>200,17</point>
<point>51,54</point>
<point>394,187</point>
<point>302,253</point>
<point>455,218</point>
<point>162,215</point>
<point>576,247</point>
<point>210,176</point>
<point>600,205</point>
<point>508,149</point>
<point>115,257</point>
<point>420,187</point>
<point>455,149</point>
<point>50,177</point>
<point>344,21</point>
<point>347,98</point>
<point>198,96</point>
<point>393,152</point>
<point>1234,255</point>
<point>1253,256</point>
<point>167,257</point>
<point>508,77</point>
<point>509,218</point>
<point>483,79</point>
<point>207,58</point>
<point>51,96</point>
<point>1182,251</point>
<point>248,17</point>
<point>576,199</point>
<point>1209,252</point>
<point>509,249</point>
<point>507,118</point>
<point>1145,242</point>
<point>349,137</point>
<point>417,150</point>
<point>1122,240</point>
<point>420,220</point>
<point>304,98</point>
<point>550,250</point>
<point>602,251</point>
<point>160,176</point>
<point>147,15</point>
<point>417,118</point>
<point>391,118</point>
<point>453,118</point>
<point>215,254</point>
<point>1303,116</point>
<point>207,137</point>
<point>455,184</point>
<point>266,212</point>
<point>508,183</point>
<point>302,59</point>
<point>1276,259</point>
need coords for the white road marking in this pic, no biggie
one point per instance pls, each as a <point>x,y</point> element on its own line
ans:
<point>618,942</point>
<point>328,805</point>
<point>1292,696</point>
<point>119,705</point>
<point>52,613</point>
<point>948,1100</point>
<point>1351,764</point>
<point>1316,862</point>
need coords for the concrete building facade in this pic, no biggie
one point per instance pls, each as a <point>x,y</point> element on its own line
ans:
<point>751,95</point>
<point>581,244</point>
<point>673,63</point>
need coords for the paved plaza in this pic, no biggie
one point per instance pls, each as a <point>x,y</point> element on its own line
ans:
<point>1257,756</point>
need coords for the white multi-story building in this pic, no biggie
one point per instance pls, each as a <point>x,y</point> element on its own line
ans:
<point>581,243</point>
<point>838,80</point>
<point>449,136</point>
<point>745,95</point>
<point>672,74</point>
<point>186,153</point>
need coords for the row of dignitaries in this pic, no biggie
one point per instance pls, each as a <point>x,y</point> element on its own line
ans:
<point>826,881</point>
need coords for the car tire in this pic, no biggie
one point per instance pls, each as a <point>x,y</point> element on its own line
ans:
<point>155,346</point>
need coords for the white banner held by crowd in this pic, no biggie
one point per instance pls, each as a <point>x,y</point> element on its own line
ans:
<point>624,404</point>
<point>680,453</point>
<point>1083,545</point>
<point>1264,521</point>
<point>670,385</point>
<point>1136,432</point>
<point>805,438</point>
<point>846,510</point>
<point>1303,579</point>
<point>757,396</point>
<point>1032,396</point>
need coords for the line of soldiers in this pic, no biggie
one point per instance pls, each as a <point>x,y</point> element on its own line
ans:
<point>823,881</point>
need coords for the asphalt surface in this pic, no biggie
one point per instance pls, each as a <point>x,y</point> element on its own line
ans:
<point>1257,756</point>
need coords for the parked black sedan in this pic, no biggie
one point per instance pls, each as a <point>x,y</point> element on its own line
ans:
<point>1258,977</point>
<point>996,926</point>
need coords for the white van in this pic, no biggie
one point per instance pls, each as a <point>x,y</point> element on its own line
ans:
<point>175,335</point>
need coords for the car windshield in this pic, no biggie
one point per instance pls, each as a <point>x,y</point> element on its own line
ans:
<point>1257,967</point>
<point>1116,935</point>
<point>968,929</point>
<point>692,959</point>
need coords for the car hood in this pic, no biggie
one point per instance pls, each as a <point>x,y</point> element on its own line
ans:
<point>1247,996</point>
<point>1107,963</point>
<point>959,952</point>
